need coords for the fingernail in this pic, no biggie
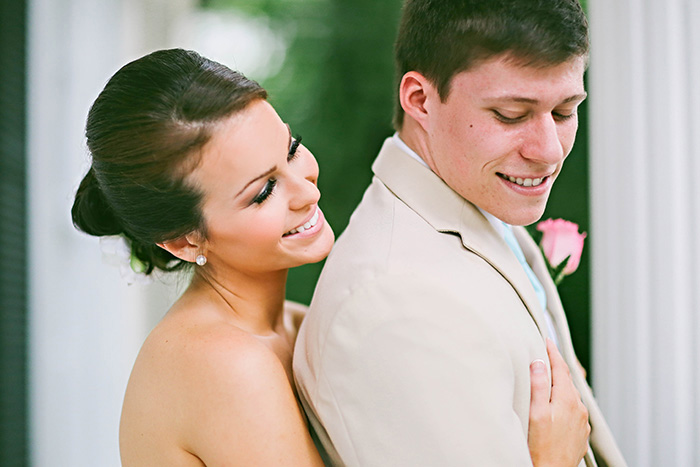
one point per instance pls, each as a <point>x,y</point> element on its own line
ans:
<point>538,367</point>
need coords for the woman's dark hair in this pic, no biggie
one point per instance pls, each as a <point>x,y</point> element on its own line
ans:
<point>144,132</point>
<point>440,38</point>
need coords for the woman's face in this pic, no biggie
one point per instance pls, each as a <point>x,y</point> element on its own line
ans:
<point>260,195</point>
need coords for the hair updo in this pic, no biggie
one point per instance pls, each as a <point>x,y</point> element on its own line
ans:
<point>144,132</point>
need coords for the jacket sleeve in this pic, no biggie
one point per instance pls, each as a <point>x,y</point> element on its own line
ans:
<point>409,375</point>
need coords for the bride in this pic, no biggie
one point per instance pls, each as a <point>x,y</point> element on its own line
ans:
<point>194,168</point>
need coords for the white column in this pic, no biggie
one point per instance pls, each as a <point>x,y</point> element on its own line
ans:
<point>645,237</point>
<point>86,324</point>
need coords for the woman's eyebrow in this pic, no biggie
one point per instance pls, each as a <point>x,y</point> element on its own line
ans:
<point>266,174</point>
<point>269,171</point>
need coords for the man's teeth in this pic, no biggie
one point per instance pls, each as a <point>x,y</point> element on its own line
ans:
<point>525,181</point>
<point>307,225</point>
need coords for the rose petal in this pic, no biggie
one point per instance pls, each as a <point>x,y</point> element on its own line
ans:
<point>561,239</point>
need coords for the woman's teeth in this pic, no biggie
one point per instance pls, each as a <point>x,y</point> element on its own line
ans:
<point>524,181</point>
<point>311,222</point>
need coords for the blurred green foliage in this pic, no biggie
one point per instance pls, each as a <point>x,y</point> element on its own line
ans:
<point>336,88</point>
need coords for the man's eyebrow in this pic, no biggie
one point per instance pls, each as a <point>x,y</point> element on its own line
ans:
<point>576,98</point>
<point>528,100</point>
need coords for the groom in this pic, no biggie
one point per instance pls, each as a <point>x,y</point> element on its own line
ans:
<point>434,301</point>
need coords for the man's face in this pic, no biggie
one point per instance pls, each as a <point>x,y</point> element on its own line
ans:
<point>501,137</point>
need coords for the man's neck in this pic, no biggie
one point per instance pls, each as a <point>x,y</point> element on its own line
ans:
<point>408,148</point>
<point>497,224</point>
<point>413,136</point>
<point>405,148</point>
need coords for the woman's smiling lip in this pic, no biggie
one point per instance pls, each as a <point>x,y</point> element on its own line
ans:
<point>309,227</point>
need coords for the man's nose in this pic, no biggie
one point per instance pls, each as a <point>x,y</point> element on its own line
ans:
<point>542,141</point>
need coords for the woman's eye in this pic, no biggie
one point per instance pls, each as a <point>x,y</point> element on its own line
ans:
<point>296,141</point>
<point>266,192</point>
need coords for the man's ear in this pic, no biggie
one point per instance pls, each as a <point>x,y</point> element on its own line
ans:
<point>415,93</point>
<point>186,247</point>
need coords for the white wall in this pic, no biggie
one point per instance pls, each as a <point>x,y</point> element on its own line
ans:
<point>645,167</point>
<point>86,324</point>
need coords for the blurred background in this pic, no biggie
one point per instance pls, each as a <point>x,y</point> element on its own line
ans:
<point>70,326</point>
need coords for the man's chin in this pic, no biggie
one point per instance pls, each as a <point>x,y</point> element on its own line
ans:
<point>524,217</point>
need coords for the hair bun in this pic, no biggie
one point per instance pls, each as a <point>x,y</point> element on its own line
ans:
<point>91,212</point>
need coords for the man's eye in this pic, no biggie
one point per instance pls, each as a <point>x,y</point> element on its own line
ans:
<point>563,116</point>
<point>502,118</point>
<point>267,191</point>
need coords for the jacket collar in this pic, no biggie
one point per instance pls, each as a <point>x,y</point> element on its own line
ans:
<point>447,212</point>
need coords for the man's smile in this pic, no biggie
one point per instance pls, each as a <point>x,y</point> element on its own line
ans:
<point>525,182</point>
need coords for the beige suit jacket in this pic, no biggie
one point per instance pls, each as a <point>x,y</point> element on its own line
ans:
<point>417,345</point>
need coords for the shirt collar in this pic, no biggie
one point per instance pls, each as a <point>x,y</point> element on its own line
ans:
<point>404,147</point>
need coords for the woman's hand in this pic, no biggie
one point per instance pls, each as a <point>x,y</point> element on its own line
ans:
<point>559,429</point>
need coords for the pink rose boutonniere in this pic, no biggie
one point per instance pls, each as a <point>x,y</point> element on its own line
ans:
<point>562,245</point>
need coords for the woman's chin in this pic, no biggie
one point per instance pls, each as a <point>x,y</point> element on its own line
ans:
<point>321,248</point>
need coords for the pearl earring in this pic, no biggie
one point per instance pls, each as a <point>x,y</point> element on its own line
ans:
<point>201,260</point>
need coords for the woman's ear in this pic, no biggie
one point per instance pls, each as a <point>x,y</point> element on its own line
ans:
<point>415,94</point>
<point>186,247</point>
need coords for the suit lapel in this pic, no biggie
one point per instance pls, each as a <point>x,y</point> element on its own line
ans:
<point>479,236</point>
<point>446,211</point>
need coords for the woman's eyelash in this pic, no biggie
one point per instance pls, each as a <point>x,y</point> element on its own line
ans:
<point>267,191</point>
<point>269,188</point>
<point>293,148</point>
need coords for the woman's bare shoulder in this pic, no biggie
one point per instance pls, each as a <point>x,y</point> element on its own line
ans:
<point>218,389</point>
<point>192,345</point>
<point>230,392</point>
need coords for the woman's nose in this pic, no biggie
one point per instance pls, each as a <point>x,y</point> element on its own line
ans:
<point>305,187</point>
